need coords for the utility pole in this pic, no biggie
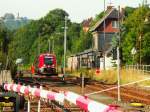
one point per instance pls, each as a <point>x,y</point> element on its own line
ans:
<point>39,45</point>
<point>118,56</point>
<point>39,102</point>
<point>104,40</point>
<point>49,49</point>
<point>65,36</point>
<point>53,45</point>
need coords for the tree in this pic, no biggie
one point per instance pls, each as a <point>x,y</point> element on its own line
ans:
<point>134,35</point>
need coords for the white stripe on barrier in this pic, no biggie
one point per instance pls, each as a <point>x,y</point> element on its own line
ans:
<point>96,107</point>
<point>44,94</point>
<point>59,97</point>
<point>22,89</point>
<point>14,88</point>
<point>32,90</point>
<point>70,96</point>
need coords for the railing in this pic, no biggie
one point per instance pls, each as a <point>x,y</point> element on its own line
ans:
<point>142,68</point>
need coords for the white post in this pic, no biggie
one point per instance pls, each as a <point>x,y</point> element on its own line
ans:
<point>65,36</point>
<point>82,83</point>
<point>39,102</point>
<point>28,102</point>
<point>104,40</point>
<point>118,56</point>
<point>118,74</point>
<point>28,105</point>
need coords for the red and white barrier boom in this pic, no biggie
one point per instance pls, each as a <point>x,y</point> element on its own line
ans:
<point>87,104</point>
<point>80,101</point>
<point>36,92</point>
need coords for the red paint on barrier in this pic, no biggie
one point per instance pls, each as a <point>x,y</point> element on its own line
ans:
<point>83,102</point>
<point>51,95</point>
<point>26,91</point>
<point>112,108</point>
<point>18,88</point>
<point>37,92</point>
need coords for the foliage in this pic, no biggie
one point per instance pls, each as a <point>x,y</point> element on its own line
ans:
<point>27,42</point>
<point>4,41</point>
<point>13,24</point>
<point>128,11</point>
<point>136,35</point>
<point>145,51</point>
<point>30,40</point>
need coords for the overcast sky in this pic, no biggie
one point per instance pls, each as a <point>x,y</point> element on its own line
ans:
<point>77,9</point>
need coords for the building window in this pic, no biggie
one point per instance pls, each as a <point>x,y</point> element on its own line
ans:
<point>115,24</point>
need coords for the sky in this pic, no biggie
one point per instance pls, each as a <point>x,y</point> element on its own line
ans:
<point>78,10</point>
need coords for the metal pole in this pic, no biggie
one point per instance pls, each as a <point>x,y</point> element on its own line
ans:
<point>118,56</point>
<point>28,105</point>
<point>140,51</point>
<point>82,83</point>
<point>104,40</point>
<point>53,45</point>
<point>39,103</point>
<point>65,35</point>
<point>39,46</point>
<point>49,46</point>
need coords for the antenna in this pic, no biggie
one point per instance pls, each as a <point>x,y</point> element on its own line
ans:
<point>110,3</point>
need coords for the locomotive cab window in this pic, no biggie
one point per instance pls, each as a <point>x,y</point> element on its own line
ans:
<point>48,60</point>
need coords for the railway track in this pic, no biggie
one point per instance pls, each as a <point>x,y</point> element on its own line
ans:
<point>130,94</point>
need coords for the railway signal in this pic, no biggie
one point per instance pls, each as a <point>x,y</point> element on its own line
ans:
<point>97,71</point>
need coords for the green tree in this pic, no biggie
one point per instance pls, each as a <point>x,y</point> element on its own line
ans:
<point>134,36</point>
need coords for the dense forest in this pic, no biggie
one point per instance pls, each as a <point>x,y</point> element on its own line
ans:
<point>34,38</point>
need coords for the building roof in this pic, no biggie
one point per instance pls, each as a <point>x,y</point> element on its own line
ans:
<point>107,14</point>
<point>86,23</point>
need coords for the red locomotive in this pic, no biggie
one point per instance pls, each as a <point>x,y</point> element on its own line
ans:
<point>45,64</point>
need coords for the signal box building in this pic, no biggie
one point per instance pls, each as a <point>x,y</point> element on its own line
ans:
<point>93,58</point>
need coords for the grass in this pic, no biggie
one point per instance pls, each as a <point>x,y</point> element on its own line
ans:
<point>110,76</point>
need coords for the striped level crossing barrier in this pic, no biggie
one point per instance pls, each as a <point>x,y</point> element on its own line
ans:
<point>81,101</point>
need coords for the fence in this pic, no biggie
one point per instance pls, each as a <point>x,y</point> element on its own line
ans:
<point>141,68</point>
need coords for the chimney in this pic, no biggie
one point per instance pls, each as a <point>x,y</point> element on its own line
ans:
<point>109,7</point>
